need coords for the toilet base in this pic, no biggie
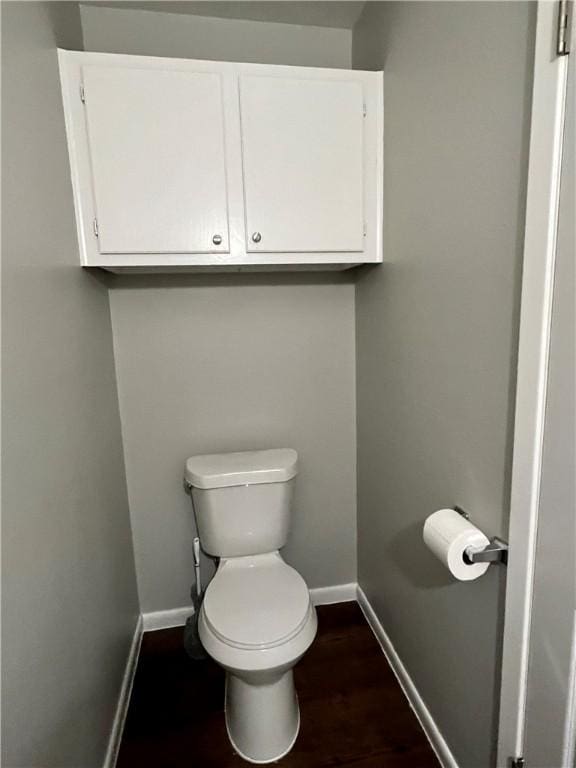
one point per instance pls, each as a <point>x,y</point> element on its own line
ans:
<point>262,715</point>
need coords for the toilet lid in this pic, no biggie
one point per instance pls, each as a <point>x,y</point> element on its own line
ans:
<point>256,602</point>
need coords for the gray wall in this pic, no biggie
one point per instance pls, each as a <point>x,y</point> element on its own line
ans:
<point>114,30</point>
<point>69,591</point>
<point>437,334</point>
<point>215,366</point>
<point>324,13</point>
<point>231,363</point>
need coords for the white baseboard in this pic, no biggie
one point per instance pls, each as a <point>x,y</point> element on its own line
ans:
<point>339,593</point>
<point>124,698</point>
<point>421,711</point>
<point>176,617</point>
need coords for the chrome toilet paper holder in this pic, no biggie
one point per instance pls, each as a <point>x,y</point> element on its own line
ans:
<point>496,551</point>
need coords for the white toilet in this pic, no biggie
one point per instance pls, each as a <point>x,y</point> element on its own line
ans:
<point>256,619</point>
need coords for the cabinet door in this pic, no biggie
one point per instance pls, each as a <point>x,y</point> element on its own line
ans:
<point>158,164</point>
<point>302,151</point>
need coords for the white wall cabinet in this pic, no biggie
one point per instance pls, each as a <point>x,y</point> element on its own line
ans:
<point>302,144</point>
<point>181,164</point>
<point>157,154</point>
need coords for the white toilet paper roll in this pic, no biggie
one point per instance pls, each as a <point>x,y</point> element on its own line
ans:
<point>447,534</point>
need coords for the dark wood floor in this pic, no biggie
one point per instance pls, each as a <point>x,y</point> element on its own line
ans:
<point>353,710</point>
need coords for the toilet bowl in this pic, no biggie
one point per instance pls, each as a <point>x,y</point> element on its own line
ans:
<point>257,619</point>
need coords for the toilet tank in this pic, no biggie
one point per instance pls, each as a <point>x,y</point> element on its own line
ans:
<point>242,501</point>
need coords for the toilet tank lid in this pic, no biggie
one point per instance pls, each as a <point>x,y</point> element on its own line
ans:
<point>222,470</point>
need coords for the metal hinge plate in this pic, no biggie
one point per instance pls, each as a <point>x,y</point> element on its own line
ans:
<point>517,762</point>
<point>95,227</point>
<point>364,110</point>
<point>564,25</point>
<point>82,94</point>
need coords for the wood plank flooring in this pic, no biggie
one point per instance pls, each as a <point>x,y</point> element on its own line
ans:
<point>353,711</point>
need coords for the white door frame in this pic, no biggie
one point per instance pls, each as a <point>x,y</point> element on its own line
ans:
<point>545,158</point>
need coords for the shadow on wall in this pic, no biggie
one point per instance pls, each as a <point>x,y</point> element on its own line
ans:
<point>418,565</point>
<point>137,281</point>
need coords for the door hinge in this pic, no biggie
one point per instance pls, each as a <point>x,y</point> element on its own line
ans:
<point>564,25</point>
<point>364,229</point>
<point>517,762</point>
<point>82,94</point>
<point>95,227</point>
<point>364,110</point>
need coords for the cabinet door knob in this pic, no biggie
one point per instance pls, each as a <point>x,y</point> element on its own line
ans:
<point>217,239</point>
<point>256,237</point>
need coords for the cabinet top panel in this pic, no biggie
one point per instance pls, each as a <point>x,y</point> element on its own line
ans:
<point>163,62</point>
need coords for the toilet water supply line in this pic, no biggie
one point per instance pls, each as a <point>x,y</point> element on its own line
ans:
<point>191,638</point>
<point>196,549</point>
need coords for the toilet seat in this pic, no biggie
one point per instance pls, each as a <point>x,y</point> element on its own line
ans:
<point>256,602</point>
